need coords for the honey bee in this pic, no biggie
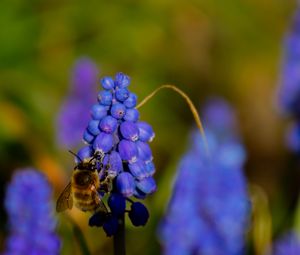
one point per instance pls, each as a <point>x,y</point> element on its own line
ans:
<point>83,188</point>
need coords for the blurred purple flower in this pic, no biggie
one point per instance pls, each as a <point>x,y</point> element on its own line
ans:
<point>30,210</point>
<point>289,244</point>
<point>74,114</point>
<point>293,137</point>
<point>209,209</point>
<point>289,90</point>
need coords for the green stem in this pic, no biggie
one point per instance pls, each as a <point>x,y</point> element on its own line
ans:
<point>261,220</point>
<point>190,104</point>
<point>119,238</point>
<point>79,237</point>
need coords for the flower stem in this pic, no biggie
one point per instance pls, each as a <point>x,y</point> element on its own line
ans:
<point>261,220</point>
<point>190,104</point>
<point>79,237</point>
<point>119,238</point>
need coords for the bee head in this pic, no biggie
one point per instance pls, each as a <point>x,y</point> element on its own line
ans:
<point>90,166</point>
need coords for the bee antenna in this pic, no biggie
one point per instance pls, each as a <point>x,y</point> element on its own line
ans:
<point>75,155</point>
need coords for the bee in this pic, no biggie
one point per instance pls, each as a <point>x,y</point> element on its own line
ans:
<point>82,190</point>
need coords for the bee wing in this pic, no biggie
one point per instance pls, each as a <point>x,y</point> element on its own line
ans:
<point>102,207</point>
<point>65,200</point>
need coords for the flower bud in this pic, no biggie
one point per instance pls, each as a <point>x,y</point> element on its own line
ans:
<point>138,170</point>
<point>116,203</point>
<point>150,168</point>
<point>97,219</point>
<point>107,83</point>
<point>132,114</point>
<point>115,163</point>
<point>122,94</point>
<point>138,214</point>
<point>129,131</point>
<point>98,111</point>
<point>108,124</point>
<point>88,137</point>
<point>128,151</point>
<point>118,110</point>
<point>105,97</point>
<point>144,151</point>
<point>125,184</point>
<point>93,127</point>
<point>110,226</point>
<point>130,102</point>
<point>83,153</point>
<point>145,131</point>
<point>147,185</point>
<point>103,142</point>
<point>122,80</point>
<point>139,194</point>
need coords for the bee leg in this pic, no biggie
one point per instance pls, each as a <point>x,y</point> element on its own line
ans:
<point>106,185</point>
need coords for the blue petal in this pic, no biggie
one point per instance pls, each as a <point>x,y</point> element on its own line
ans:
<point>150,168</point>
<point>138,170</point>
<point>132,115</point>
<point>98,111</point>
<point>138,214</point>
<point>122,80</point>
<point>84,153</point>
<point>115,163</point>
<point>129,130</point>
<point>130,102</point>
<point>88,137</point>
<point>128,151</point>
<point>118,110</point>
<point>107,83</point>
<point>93,127</point>
<point>108,124</point>
<point>103,142</point>
<point>122,94</point>
<point>145,131</point>
<point>125,184</point>
<point>105,97</point>
<point>144,151</point>
<point>147,185</point>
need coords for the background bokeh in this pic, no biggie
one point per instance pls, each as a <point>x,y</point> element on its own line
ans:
<point>227,48</point>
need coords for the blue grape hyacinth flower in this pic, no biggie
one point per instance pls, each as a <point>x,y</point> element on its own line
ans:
<point>289,244</point>
<point>289,89</point>
<point>121,140</point>
<point>31,219</point>
<point>74,113</point>
<point>209,209</point>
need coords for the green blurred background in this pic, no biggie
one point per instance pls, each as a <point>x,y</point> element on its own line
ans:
<point>228,48</point>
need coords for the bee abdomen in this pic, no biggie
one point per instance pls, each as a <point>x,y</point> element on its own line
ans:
<point>91,205</point>
<point>82,196</point>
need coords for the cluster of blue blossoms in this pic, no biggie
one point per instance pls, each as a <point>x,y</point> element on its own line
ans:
<point>31,219</point>
<point>116,134</point>
<point>289,244</point>
<point>209,209</point>
<point>289,90</point>
<point>83,87</point>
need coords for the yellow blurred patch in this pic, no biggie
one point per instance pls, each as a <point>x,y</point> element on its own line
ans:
<point>13,121</point>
